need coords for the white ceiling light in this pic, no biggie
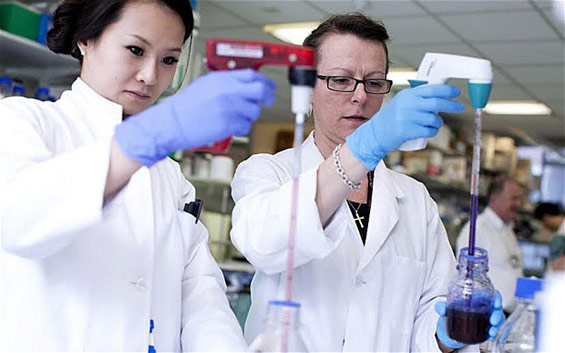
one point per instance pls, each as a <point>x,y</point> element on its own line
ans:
<point>293,33</point>
<point>401,75</point>
<point>517,108</point>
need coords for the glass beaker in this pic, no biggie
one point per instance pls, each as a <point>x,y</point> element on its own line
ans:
<point>281,329</point>
<point>470,299</point>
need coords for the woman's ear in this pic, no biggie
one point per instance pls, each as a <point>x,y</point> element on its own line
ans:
<point>82,47</point>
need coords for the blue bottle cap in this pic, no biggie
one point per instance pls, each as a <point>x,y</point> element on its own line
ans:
<point>527,287</point>
<point>5,80</point>
<point>284,303</point>
<point>18,90</point>
<point>42,90</point>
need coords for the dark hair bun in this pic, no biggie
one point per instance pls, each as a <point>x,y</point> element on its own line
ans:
<point>61,38</point>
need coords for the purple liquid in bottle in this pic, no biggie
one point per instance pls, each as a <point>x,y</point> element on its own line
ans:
<point>468,326</point>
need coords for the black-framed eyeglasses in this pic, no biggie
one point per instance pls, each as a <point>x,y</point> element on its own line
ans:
<point>349,84</point>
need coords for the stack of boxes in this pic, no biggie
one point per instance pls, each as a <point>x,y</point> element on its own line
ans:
<point>24,21</point>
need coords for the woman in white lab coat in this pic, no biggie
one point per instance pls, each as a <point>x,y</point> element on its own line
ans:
<point>372,257</point>
<point>97,253</point>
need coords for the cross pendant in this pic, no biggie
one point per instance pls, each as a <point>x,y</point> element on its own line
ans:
<point>359,218</point>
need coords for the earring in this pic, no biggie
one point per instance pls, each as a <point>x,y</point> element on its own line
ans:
<point>310,110</point>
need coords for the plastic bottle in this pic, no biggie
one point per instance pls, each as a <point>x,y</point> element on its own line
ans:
<point>518,333</point>
<point>282,320</point>
<point>42,93</point>
<point>470,298</point>
<point>5,86</point>
<point>18,90</point>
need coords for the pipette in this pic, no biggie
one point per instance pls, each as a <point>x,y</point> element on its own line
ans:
<point>233,54</point>
<point>439,68</point>
<point>475,170</point>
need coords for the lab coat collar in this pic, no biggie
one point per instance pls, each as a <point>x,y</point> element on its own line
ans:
<point>384,212</point>
<point>495,220</point>
<point>384,203</point>
<point>107,113</point>
<point>311,154</point>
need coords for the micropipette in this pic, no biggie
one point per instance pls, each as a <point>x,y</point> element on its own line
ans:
<point>439,68</point>
<point>225,54</point>
<point>475,169</point>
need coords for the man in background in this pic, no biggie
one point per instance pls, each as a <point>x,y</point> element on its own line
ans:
<point>552,217</point>
<point>494,232</point>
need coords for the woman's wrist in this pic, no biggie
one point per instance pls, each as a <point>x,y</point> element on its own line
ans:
<point>353,168</point>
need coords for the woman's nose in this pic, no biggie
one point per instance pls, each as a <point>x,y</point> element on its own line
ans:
<point>359,94</point>
<point>148,73</point>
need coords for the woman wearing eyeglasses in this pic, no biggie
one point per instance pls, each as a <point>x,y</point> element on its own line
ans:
<point>372,257</point>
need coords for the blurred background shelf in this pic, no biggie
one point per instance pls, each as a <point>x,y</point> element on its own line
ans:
<point>434,183</point>
<point>28,59</point>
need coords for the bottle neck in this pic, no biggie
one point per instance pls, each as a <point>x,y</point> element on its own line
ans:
<point>524,301</point>
<point>464,271</point>
<point>472,265</point>
<point>279,315</point>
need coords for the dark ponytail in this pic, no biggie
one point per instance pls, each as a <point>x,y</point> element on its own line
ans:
<point>81,20</point>
<point>60,38</point>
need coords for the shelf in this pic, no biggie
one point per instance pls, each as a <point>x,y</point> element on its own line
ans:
<point>216,194</point>
<point>446,152</point>
<point>433,184</point>
<point>28,59</point>
<point>237,266</point>
<point>209,181</point>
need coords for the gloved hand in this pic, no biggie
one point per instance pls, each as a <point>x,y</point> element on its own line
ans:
<point>497,316</point>
<point>496,320</point>
<point>215,106</point>
<point>411,114</point>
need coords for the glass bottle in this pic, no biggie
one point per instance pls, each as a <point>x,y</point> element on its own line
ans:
<point>42,93</point>
<point>5,86</point>
<point>19,90</point>
<point>518,333</point>
<point>281,329</point>
<point>470,298</point>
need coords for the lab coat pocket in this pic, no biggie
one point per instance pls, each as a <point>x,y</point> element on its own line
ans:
<point>186,229</point>
<point>405,278</point>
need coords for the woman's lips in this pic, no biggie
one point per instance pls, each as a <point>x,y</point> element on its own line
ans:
<point>138,95</point>
<point>355,118</point>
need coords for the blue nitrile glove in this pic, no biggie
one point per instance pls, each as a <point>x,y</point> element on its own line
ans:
<point>496,320</point>
<point>497,316</point>
<point>215,106</point>
<point>411,114</point>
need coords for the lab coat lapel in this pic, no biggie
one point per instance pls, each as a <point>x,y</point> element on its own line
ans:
<point>103,117</point>
<point>311,156</point>
<point>384,213</point>
<point>140,209</point>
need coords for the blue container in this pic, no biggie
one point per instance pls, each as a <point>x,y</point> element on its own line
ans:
<point>45,24</point>
<point>6,85</point>
<point>19,90</point>
<point>42,93</point>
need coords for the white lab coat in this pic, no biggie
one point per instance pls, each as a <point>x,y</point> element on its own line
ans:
<point>378,297</point>
<point>78,275</point>
<point>504,255</point>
